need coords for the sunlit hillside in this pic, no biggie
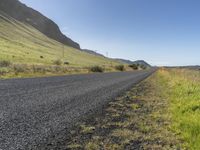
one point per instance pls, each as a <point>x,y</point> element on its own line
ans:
<point>21,43</point>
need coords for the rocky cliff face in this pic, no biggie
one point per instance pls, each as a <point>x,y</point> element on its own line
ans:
<point>21,12</point>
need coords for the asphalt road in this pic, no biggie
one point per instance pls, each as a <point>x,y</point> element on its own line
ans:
<point>33,109</point>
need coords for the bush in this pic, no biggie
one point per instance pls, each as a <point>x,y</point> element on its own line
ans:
<point>66,63</point>
<point>57,62</point>
<point>120,67</point>
<point>5,63</point>
<point>41,57</point>
<point>96,69</point>
<point>133,66</point>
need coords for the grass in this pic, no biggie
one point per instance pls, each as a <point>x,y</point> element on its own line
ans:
<point>87,129</point>
<point>28,70</point>
<point>184,95</point>
<point>23,44</point>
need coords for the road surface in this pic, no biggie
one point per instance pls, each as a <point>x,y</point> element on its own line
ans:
<point>33,109</point>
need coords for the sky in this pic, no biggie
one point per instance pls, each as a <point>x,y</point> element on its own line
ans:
<point>161,32</point>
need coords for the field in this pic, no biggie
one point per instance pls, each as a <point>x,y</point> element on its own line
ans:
<point>22,44</point>
<point>162,112</point>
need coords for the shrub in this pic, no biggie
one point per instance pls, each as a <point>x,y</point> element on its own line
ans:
<point>41,57</point>
<point>96,69</point>
<point>57,62</point>
<point>120,67</point>
<point>66,63</point>
<point>133,66</point>
<point>5,63</point>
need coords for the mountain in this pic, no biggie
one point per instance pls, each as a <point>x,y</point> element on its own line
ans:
<point>22,13</point>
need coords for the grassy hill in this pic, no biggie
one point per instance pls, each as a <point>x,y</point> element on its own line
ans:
<point>21,43</point>
<point>26,49</point>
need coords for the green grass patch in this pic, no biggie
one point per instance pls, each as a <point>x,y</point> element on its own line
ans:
<point>184,95</point>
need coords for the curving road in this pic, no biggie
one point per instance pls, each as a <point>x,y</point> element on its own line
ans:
<point>33,109</point>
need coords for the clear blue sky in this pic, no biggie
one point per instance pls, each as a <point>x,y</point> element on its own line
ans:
<point>162,32</point>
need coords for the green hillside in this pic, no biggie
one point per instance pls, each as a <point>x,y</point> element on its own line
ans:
<point>21,43</point>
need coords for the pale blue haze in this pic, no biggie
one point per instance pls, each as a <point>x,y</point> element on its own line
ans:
<point>162,32</point>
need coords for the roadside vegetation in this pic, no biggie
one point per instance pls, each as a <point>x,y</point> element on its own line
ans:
<point>184,95</point>
<point>9,69</point>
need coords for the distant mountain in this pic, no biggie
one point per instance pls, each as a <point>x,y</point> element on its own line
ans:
<point>142,62</point>
<point>124,61</point>
<point>92,52</point>
<point>195,67</point>
<point>22,13</point>
<point>138,62</point>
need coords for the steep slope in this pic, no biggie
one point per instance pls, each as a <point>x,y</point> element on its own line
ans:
<point>22,43</point>
<point>22,13</point>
